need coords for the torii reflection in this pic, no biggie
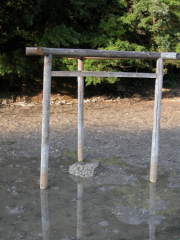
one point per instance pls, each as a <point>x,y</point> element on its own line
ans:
<point>45,214</point>
<point>152,219</point>
<point>152,211</point>
<point>79,211</point>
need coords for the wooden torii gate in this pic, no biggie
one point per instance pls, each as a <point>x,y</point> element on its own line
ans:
<point>82,54</point>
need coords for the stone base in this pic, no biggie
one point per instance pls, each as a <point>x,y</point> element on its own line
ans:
<point>85,169</point>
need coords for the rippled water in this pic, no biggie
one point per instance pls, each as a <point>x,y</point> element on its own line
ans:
<point>120,204</point>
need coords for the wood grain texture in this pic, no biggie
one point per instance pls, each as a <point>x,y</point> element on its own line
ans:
<point>81,53</point>
<point>80,112</point>
<point>102,74</point>
<point>45,121</point>
<point>105,58</point>
<point>156,120</point>
<point>170,55</point>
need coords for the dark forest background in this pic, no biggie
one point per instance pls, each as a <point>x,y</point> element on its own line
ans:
<point>127,25</point>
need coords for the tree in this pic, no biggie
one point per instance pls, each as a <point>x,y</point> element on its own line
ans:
<point>139,25</point>
<point>131,25</point>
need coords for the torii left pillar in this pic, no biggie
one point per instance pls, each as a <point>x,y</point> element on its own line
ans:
<point>45,121</point>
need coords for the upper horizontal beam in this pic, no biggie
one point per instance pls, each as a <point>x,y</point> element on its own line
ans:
<point>102,74</point>
<point>83,53</point>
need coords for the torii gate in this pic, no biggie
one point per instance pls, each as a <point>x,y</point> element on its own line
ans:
<point>82,54</point>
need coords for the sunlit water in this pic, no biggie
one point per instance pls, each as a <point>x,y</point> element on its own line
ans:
<point>120,205</point>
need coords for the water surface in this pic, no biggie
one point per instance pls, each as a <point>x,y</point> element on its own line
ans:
<point>120,204</point>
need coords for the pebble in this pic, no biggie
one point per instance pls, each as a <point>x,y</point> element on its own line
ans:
<point>19,180</point>
<point>104,224</point>
<point>15,210</point>
<point>55,188</point>
<point>14,192</point>
<point>68,238</point>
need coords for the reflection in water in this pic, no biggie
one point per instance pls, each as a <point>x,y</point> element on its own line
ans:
<point>151,218</point>
<point>45,214</point>
<point>127,203</point>
<point>79,210</point>
<point>152,211</point>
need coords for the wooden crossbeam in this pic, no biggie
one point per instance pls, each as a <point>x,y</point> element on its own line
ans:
<point>102,74</point>
<point>84,53</point>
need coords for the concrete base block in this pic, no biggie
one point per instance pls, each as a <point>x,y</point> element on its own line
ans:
<point>85,169</point>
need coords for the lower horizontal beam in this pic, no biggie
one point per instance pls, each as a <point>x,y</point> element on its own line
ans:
<point>102,74</point>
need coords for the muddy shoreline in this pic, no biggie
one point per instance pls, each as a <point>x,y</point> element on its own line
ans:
<point>120,203</point>
<point>111,129</point>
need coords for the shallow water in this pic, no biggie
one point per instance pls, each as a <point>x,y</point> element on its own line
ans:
<point>118,204</point>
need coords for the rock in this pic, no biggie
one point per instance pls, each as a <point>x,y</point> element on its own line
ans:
<point>104,224</point>
<point>53,98</point>
<point>85,169</point>
<point>5,101</point>
<point>27,99</point>
<point>94,100</point>
<point>55,188</point>
<point>14,192</point>
<point>86,101</point>
<point>15,210</point>
<point>135,216</point>
<point>68,238</point>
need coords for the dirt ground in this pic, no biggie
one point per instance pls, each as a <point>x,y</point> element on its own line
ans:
<point>119,203</point>
<point>114,127</point>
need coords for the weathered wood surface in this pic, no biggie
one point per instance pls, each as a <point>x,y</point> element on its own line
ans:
<point>170,55</point>
<point>81,53</point>
<point>80,112</point>
<point>104,58</point>
<point>102,74</point>
<point>156,121</point>
<point>45,121</point>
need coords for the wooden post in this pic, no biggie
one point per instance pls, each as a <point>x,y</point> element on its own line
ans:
<point>45,214</point>
<point>80,112</point>
<point>45,121</point>
<point>79,211</point>
<point>156,122</point>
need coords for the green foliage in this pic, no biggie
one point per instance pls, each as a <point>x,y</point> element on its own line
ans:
<point>60,35</point>
<point>172,79</point>
<point>139,25</point>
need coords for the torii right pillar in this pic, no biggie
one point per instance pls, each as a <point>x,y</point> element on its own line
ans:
<point>156,121</point>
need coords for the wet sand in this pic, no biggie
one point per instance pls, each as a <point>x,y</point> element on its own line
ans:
<point>119,203</point>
